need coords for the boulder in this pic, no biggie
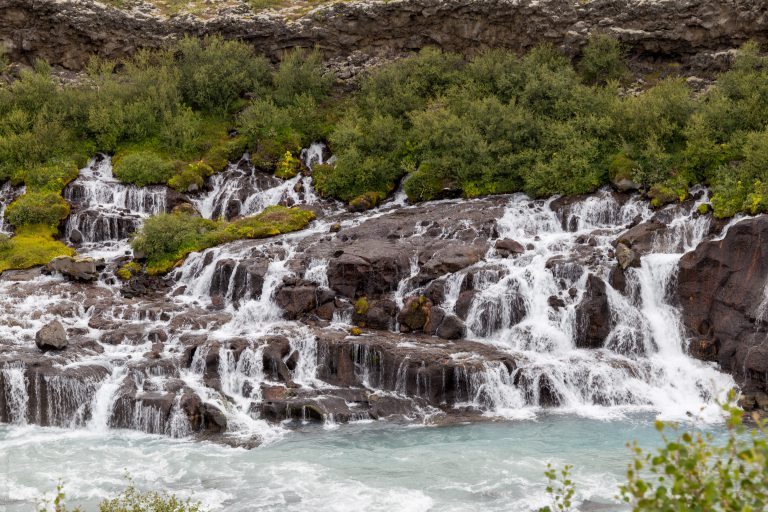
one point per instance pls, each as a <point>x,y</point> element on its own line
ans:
<point>369,268</point>
<point>74,268</point>
<point>626,256</point>
<point>415,314</point>
<point>379,314</point>
<point>593,315</point>
<point>452,328</point>
<point>451,258</point>
<point>52,336</point>
<point>507,247</point>
<point>297,299</point>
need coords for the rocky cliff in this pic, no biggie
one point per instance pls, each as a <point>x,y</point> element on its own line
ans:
<point>722,290</point>
<point>697,33</point>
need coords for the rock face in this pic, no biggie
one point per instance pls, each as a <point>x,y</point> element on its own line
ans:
<point>721,288</point>
<point>51,337</point>
<point>67,32</point>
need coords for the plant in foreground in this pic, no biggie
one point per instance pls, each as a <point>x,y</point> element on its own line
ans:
<point>692,471</point>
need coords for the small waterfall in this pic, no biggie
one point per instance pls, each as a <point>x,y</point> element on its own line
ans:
<point>16,396</point>
<point>8,194</point>
<point>104,400</point>
<point>105,212</point>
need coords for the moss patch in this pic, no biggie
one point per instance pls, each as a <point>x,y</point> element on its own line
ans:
<point>166,239</point>
<point>32,245</point>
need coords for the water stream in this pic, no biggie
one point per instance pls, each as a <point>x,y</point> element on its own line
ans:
<point>216,350</point>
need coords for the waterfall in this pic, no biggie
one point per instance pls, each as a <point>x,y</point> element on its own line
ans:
<point>104,400</point>
<point>8,193</point>
<point>16,397</point>
<point>105,212</point>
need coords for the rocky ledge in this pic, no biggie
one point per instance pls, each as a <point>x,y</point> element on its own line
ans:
<point>697,33</point>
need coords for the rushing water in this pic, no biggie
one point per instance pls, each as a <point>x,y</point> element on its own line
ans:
<point>372,467</point>
<point>144,366</point>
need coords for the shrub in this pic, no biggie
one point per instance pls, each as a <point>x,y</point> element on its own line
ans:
<point>214,72</point>
<point>301,72</point>
<point>192,178</point>
<point>132,500</point>
<point>181,133</point>
<point>691,471</point>
<point>142,168</point>
<point>44,208</point>
<point>166,239</point>
<point>602,60</point>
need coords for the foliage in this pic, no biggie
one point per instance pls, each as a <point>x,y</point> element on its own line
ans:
<point>131,500</point>
<point>602,60</point>
<point>45,208</point>
<point>143,168</point>
<point>692,471</point>
<point>214,73</point>
<point>561,488</point>
<point>166,239</point>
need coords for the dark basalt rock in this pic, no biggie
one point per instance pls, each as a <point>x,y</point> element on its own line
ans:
<point>593,315</point>
<point>508,247</point>
<point>415,314</point>
<point>371,269</point>
<point>721,288</point>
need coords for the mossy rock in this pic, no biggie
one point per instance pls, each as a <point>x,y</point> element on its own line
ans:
<point>37,208</point>
<point>365,202</point>
<point>661,195</point>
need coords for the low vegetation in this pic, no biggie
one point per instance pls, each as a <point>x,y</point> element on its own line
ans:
<point>692,471</point>
<point>166,239</point>
<point>130,500</point>
<point>31,246</point>
<point>437,124</point>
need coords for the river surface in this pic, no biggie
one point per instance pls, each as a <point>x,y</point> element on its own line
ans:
<point>366,466</point>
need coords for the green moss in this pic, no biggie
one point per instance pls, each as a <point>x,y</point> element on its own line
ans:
<point>661,195</point>
<point>166,239</point>
<point>704,208</point>
<point>31,245</point>
<point>361,306</point>
<point>192,178</point>
<point>365,201</point>
<point>46,208</point>
<point>355,331</point>
<point>127,271</point>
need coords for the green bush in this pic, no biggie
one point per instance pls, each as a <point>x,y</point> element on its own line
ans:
<point>130,500</point>
<point>602,60</point>
<point>301,72</point>
<point>215,73</point>
<point>692,471</point>
<point>143,168</point>
<point>45,208</point>
<point>166,239</point>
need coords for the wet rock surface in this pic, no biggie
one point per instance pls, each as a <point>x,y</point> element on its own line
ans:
<point>455,310</point>
<point>722,292</point>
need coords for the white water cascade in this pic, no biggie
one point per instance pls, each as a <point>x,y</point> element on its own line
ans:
<point>105,211</point>
<point>217,352</point>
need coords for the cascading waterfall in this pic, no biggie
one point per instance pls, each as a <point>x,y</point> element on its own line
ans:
<point>523,306</point>
<point>16,396</point>
<point>8,193</point>
<point>105,211</point>
<point>644,363</point>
